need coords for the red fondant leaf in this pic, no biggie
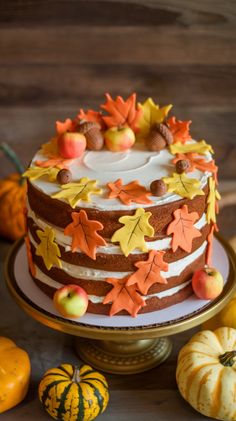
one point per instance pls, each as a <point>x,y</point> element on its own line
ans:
<point>123,297</point>
<point>209,250</point>
<point>149,272</point>
<point>84,234</point>
<point>57,162</point>
<point>65,126</point>
<point>196,162</point>
<point>131,192</point>
<point>179,129</point>
<point>122,113</point>
<point>90,115</point>
<point>183,230</point>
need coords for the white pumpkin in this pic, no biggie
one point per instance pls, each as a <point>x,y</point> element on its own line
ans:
<point>206,373</point>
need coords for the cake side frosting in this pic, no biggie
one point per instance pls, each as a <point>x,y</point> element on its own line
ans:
<point>108,229</point>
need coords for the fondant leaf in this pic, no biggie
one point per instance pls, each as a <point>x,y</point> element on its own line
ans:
<point>210,238</point>
<point>123,297</point>
<point>65,126</point>
<point>76,191</point>
<point>50,149</point>
<point>131,235</point>
<point>34,173</point>
<point>57,162</point>
<point>48,249</point>
<point>212,198</point>
<point>84,234</point>
<point>201,147</point>
<point>183,230</point>
<point>196,162</point>
<point>93,116</point>
<point>151,114</point>
<point>183,186</point>
<point>179,129</point>
<point>149,272</point>
<point>131,192</point>
<point>122,113</point>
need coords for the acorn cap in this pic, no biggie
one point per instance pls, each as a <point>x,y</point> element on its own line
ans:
<point>164,130</point>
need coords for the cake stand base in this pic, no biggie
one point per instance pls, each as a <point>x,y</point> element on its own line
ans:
<point>124,357</point>
<point>120,344</point>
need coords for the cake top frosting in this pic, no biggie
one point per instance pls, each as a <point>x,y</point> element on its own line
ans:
<point>115,158</point>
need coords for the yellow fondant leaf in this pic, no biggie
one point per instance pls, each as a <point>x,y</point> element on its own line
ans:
<point>48,249</point>
<point>131,235</point>
<point>37,172</point>
<point>76,191</point>
<point>201,147</point>
<point>183,186</point>
<point>212,198</point>
<point>151,114</point>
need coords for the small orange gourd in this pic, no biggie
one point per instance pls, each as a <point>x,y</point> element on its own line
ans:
<point>14,374</point>
<point>12,200</point>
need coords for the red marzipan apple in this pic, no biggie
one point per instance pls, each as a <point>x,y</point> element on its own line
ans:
<point>71,301</point>
<point>71,145</point>
<point>119,139</point>
<point>207,283</point>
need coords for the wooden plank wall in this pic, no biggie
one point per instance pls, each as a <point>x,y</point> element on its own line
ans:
<point>56,56</point>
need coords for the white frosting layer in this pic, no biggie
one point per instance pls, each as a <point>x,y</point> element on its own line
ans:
<point>65,241</point>
<point>95,298</point>
<point>135,164</point>
<point>83,272</point>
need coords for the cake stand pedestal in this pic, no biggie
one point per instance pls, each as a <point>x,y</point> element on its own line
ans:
<point>120,344</point>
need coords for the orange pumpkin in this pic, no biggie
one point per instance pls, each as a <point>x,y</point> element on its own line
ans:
<point>12,199</point>
<point>12,204</point>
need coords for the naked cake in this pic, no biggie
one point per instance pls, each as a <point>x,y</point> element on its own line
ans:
<point>123,203</point>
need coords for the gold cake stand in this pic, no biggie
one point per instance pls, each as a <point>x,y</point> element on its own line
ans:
<point>115,349</point>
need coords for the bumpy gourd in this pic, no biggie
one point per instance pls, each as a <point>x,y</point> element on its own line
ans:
<point>14,374</point>
<point>206,373</point>
<point>70,393</point>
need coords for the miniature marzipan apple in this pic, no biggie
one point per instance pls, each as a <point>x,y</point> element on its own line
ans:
<point>71,301</point>
<point>71,145</point>
<point>207,283</point>
<point>119,139</point>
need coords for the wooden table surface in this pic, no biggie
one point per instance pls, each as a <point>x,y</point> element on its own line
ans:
<point>57,56</point>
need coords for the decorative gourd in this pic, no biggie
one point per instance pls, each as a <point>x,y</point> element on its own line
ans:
<point>70,393</point>
<point>206,373</point>
<point>226,317</point>
<point>14,374</point>
<point>12,200</point>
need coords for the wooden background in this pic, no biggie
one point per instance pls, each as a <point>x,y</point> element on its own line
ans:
<point>57,56</point>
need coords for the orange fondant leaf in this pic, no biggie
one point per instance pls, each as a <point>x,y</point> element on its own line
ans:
<point>179,129</point>
<point>123,297</point>
<point>149,272</point>
<point>57,162</point>
<point>29,256</point>
<point>122,113</point>
<point>131,192</point>
<point>209,250</point>
<point>93,116</point>
<point>84,234</point>
<point>196,162</point>
<point>66,126</point>
<point>183,230</point>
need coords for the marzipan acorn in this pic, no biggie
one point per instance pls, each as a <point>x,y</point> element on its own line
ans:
<point>92,132</point>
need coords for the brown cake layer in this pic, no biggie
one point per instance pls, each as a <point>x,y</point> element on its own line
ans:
<point>58,213</point>
<point>152,304</point>
<point>101,288</point>
<point>118,262</point>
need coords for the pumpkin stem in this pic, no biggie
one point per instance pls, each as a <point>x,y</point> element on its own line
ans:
<point>11,155</point>
<point>76,376</point>
<point>227,359</point>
